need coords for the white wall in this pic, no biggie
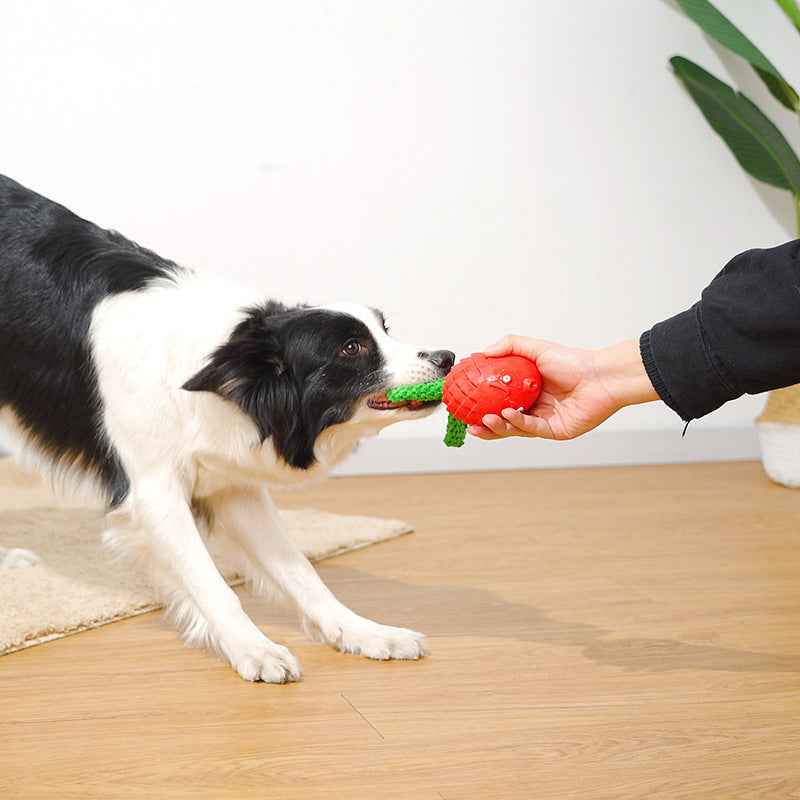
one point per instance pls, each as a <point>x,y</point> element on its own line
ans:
<point>471,167</point>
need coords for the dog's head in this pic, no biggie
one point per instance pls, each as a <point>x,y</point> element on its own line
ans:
<point>299,371</point>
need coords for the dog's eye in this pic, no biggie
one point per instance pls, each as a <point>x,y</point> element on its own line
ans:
<point>352,348</point>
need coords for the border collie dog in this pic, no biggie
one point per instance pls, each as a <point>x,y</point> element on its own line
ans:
<point>181,398</point>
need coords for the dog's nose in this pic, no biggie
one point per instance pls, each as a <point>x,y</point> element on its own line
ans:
<point>443,359</point>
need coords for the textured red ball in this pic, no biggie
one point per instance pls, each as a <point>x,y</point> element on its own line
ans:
<point>479,385</point>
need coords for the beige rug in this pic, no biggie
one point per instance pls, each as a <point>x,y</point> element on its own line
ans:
<point>79,586</point>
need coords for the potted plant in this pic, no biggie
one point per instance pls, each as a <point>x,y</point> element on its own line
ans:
<point>763,152</point>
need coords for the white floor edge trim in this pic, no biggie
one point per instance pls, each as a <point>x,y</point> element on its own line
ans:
<point>390,456</point>
<point>383,456</point>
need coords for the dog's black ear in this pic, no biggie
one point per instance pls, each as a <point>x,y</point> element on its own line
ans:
<point>229,370</point>
<point>244,366</point>
<point>249,370</point>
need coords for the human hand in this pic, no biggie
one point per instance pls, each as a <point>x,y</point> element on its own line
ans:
<point>580,389</point>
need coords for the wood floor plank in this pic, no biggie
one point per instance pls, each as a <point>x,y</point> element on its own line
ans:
<point>598,633</point>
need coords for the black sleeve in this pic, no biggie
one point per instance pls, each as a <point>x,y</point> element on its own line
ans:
<point>742,337</point>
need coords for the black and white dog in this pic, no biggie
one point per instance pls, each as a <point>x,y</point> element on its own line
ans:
<point>181,398</point>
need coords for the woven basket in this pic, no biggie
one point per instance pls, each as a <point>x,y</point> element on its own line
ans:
<point>778,429</point>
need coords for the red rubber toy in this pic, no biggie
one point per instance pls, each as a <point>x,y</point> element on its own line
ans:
<point>479,385</point>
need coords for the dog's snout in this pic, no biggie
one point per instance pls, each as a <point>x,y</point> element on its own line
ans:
<point>442,359</point>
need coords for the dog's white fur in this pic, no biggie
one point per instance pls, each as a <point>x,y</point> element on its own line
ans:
<point>183,449</point>
<point>182,398</point>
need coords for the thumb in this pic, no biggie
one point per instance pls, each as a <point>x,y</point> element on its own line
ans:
<point>511,344</point>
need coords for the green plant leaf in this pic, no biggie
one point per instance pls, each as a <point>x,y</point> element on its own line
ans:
<point>792,11</point>
<point>780,90</point>
<point>758,146</point>
<point>719,27</point>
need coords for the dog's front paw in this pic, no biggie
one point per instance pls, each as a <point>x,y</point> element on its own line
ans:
<point>383,642</point>
<point>265,661</point>
<point>18,558</point>
<point>366,638</point>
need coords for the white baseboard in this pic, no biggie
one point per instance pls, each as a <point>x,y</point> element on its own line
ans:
<point>388,456</point>
<point>599,448</point>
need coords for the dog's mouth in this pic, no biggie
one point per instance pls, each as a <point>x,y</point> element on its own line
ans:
<point>381,402</point>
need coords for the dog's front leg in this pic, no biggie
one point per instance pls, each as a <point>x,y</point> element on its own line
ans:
<point>157,523</point>
<point>17,557</point>
<point>249,517</point>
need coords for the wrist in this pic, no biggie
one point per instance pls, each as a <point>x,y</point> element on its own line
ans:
<point>621,370</point>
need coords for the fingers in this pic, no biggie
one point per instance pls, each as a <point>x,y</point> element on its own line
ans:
<point>511,344</point>
<point>493,427</point>
<point>502,347</point>
<point>511,423</point>
<point>482,432</point>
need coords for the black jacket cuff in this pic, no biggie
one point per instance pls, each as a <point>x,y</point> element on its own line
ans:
<point>675,354</point>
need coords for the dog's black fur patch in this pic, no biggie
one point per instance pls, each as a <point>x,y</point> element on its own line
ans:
<point>289,370</point>
<point>54,269</point>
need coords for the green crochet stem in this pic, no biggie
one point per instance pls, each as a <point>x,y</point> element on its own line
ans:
<point>425,392</point>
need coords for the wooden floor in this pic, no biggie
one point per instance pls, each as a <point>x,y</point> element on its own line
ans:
<point>598,633</point>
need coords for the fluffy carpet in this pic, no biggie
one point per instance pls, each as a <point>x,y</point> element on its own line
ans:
<point>78,585</point>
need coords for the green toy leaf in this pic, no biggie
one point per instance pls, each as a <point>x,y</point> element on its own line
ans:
<point>719,27</point>
<point>456,432</point>
<point>425,392</point>
<point>758,146</point>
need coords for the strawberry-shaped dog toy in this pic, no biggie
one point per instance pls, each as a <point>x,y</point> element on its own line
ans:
<point>476,386</point>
